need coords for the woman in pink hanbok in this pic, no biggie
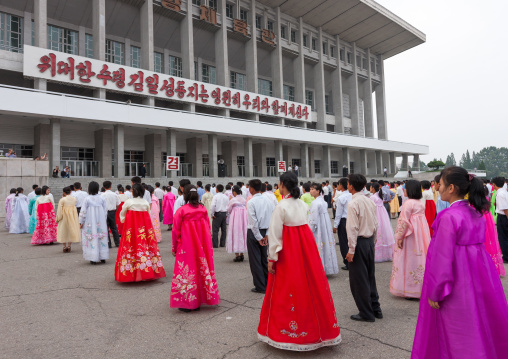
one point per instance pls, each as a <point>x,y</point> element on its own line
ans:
<point>385,241</point>
<point>154,214</point>
<point>194,280</point>
<point>168,203</point>
<point>236,240</point>
<point>412,237</point>
<point>492,243</point>
<point>8,207</point>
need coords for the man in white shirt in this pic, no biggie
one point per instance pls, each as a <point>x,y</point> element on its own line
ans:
<point>290,169</point>
<point>296,171</point>
<point>146,196</point>
<point>385,172</point>
<point>79,195</point>
<point>172,189</point>
<point>339,224</point>
<point>266,190</point>
<point>219,210</point>
<point>245,191</point>
<point>502,213</point>
<point>112,203</point>
<point>128,192</point>
<point>31,195</point>
<point>213,190</point>
<point>159,193</point>
<point>180,201</point>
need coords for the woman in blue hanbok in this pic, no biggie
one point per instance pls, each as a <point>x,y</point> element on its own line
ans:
<point>32,211</point>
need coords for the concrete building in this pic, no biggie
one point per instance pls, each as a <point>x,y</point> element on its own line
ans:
<point>105,86</point>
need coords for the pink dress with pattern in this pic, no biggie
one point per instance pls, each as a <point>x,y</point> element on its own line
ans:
<point>492,243</point>
<point>46,228</point>
<point>168,203</point>
<point>385,241</point>
<point>236,240</point>
<point>408,265</point>
<point>154,215</point>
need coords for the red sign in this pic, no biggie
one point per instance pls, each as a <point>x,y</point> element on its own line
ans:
<point>173,163</point>
<point>281,165</point>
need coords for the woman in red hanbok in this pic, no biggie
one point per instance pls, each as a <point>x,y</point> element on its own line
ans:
<point>138,257</point>
<point>168,203</point>
<point>298,312</point>
<point>46,228</point>
<point>428,202</point>
<point>123,197</point>
<point>194,280</point>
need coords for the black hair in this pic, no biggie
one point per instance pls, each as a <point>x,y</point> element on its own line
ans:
<point>414,189</point>
<point>290,181</point>
<point>138,190</point>
<point>425,184</point>
<point>199,183</point>
<point>392,184</point>
<point>343,183</point>
<point>358,181</point>
<point>136,179</point>
<point>368,185</point>
<point>44,190</point>
<point>334,184</point>
<point>256,184</point>
<point>77,185</point>
<point>498,181</point>
<point>35,186</point>
<point>67,190</point>
<point>180,193</point>
<point>157,184</point>
<point>103,189</point>
<point>306,187</point>
<point>93,188</point>
<point>150,189</point>
<point>121,189</point>
<point>128,187</point>
<point>170,183</point>
<point>437,178</point>
<point>381,182</point>
<point>13,190</point>
<point>38,191</point>
<point>208,187</point>
<point>377,187</point>
<point>472,186</point>
<point>164,188</point>
<point>106,184</point>
<point>19,190</point>
<point>228,187</point>
<point>263,187</point>
<point>301,183</point>
<point>316,186</point>
<point>239,184</point>
<point>237,190</point>
<point>184,182</point>
<point>268,187</point>
<point>71,186</point>
<point>220,188</point>
<point>276,186</point>
<point>191,197</point>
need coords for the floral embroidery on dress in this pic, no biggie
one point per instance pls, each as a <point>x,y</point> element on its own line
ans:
<point>210,283</point>
<point>294,327</point>
<point>394,272</point>
<point>184,283</point>
<point>417,274</point>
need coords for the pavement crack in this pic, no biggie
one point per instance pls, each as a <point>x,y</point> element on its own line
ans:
<point>239,348</point>
<point>375,339</point>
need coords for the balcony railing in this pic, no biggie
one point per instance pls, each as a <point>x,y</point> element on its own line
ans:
<point>134,168</point>
<point>81,168</point>
<point>271,171</point>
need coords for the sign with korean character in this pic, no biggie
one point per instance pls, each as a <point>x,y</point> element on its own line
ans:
<point>84,72</point>
<point>281,166</point>
<point>208,14</point>
<point>174,5</point>
<point>173,163</point>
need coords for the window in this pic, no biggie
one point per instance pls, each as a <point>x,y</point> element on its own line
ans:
<point>314,46</point>
<point>63,40</point>
<point>283,32</point>
<point>271,170</point>
<point>358,60</point>
<point>22,151</point>
<point>77,154</point>
<point>365,65</point>
<point>229,11</point>
<point>332,51</point>
<point>135,57</point>
<point>208,74</point>
<point>289,93</point>
<point>349,58</point>
<point>325,48</point>
<point>334,167</point>
<point>258,22</point>
<point>11,33</point>
<point>317,166</point>
<point>175,66</point>
<point>238,81</point>
<point>342,54</point>
<point>196,2</point>
<point>89,46</point>
<point>327,105</point>
<point>305,41</point>
<point>293,36</point>
<point>114,52</point>
<point>212,4</point>
<point>309,100</point>
<point>269,25</point>
<point>243,14</point>
<point>133,156</point>
<point>372,65</point>
<point>240,160</point>
<point>270,161</point>
<point>265,87</point>
<point>183,157</point>
<point>158,62</point>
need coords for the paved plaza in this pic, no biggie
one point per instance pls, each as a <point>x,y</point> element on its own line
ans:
<point>56,305</point>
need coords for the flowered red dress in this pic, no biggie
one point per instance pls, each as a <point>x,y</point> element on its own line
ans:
<point>138,257</point>
<point>194,280</point>
<point>46,228</point>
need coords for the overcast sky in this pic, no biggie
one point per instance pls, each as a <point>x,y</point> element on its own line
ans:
<point>450,93</point>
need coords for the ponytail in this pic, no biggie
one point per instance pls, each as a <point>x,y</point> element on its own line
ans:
<point>18,191</point>
<point>476,195</point>
<point>290,181</point>
<point>466,184</point>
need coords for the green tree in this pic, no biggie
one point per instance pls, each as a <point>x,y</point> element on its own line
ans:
<point>481,166</point>
<point>436,164</point>
<point>423,166</point>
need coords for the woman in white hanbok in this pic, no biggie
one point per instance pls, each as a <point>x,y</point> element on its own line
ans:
<point>320,224</point>
<point>20,217</point>
<point>94,229</point>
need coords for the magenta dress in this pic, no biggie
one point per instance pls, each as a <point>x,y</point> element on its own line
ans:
<point>408,265</point>
<point>194,280</point>
<point>492,243</point>
<point>8,210</point>
<point>236,240</point>
<point>168,203</point>
<point>473,317</point>
<point>385,242</point>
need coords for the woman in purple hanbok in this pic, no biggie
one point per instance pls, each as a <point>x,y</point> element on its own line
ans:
<point>8,207</point>
<point>236,240</point>
<point>463,309</point>
<point>384,238</point>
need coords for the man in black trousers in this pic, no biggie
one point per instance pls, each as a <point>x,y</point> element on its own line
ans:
<point>361,227</point>
<point>219,210</point>
<point>112,203</point>
<point>259,210</point>
<point>340,221</point>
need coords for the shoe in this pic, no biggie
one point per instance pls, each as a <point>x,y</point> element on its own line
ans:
<point>197,309</point>
<point>109,245</point>
<point>378,314</point>
<point>184,310</point>
<point>255,290</point>
<point>237,259</point>
<point>241,257</point>
<point>215,247</point>
<point>359,318</point>
<point>344,268</point>
<point>92,262</point>
<point>103,261</point>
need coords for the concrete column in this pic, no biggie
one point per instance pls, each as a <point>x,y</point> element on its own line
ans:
<point>403,166</point>
<point>166,61</point>
<point>213,167</point>
<point>319,85</point>
<point>153,150</point>
<point>99,39</point>
<point>346,159</point>
<point>379,163</point>
<point>259,158</point>
<point>304,158</point>
<point>187,48</point>
<point>27,28</point>
<point>81,41</point>
<point>229,153</point>
<point>171,149</point>
<point>286,155</point>
<point>195,155</point>
<point>42,140</point>
<point>382,128</point>
<point>363,162</point>
<point>337,91</point>
<point>249,158</point>
<point>368,111</point>
<point>312,164</point>
<point>299,66</point>
<point>416,162</point>
<point>393,164</point>
<point>251,52</point>
<point>103,149</point>
<point>325,163</point>
<point>119,143</point>
<point>41,36</point>
<point>221,48</point>
<point>147,43</point>
<point>279,152</point>
<point>354,107</point>
<point>277,73</point>
<point>54,143</point>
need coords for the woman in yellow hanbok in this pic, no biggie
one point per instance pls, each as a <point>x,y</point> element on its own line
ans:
<point>394,204</point>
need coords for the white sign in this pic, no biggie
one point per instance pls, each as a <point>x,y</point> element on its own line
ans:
<point>82,71</point>
<point>173,163</point>
<point>281,166</point>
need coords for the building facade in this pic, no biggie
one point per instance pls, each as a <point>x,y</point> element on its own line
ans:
<point>107,86</point>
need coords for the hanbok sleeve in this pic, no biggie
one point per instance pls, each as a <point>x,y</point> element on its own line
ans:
<point>52,202</point>
<point>177,230</point>
<point>314,216</point>
<point>231,204</point>
<point>404,226</point>
<point>82,212</point>
<point>123,213</point>
<point>59,212</point>
<point>275,233</point>
<point>31,206</point>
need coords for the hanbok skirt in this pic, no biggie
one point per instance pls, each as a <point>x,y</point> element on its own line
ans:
<point>138,257</point>
<point>298,311</point>
<point>236,240</point>
<point>430,213</point>
<point>156,225</point>
<point>492,244</point>
<point>385,241</point>
<point>32,224</point>
<point>46,227</point>
<point>119,223</point>
<point>20,218</point>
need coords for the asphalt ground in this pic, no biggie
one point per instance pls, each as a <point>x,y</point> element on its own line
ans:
<point>57,305</point>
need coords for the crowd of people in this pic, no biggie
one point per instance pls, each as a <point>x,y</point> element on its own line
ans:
<point>446,248</point>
